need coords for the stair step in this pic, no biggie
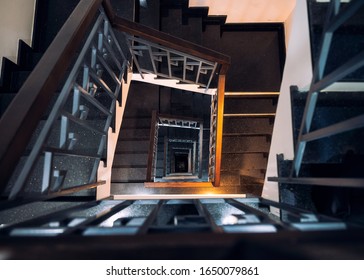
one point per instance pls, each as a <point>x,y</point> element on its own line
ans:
<point>130,159</point>
<point>248,125</point>
<point>241,161</point>
<point>136,133</point>
<point>139,189</point>
<point>229,178</point>
<point>132,146</point>
<point>237,135</point>
<point>128,174</point>
<point>243,105</point>
<point>232,145</point>
<point>136,122</point>
<point>7,68</point>
<point>28,58</point>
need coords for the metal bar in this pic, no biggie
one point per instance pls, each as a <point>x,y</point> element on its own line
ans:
<point>152,59</point>
<point>159,74</point>
<point>179,126</point>
<point>151,146</point>
<point>305,127</point>
<point>352,7</point>
<point>64,130</point>
<point>347,125</point>
<point>324,53</point>
<point>169,64</point>
<point>202,211</point>
<point>194,157</point>
<point>163,40</point>
<point>47,171</point>
<point>101,83</point>
<point>165,152</point>
<point>82,123</point>
<point>263,217</point>
<point>200,153</point>
<point>98,218</point>
<point>326,41</point>
<point>350,66</point>
<point>198,72</point>
<point>110,17</point>
<point>93,101</point>
<point>143,229</point>
<point>113,55</point>
<point>38,221</point>
<point>135,59</point>
<point>211,76</point>
<point>331,182</point>
<point>184,68</point>
<point>19,184</point>
<point>69,153</point>
<point>108,69</point>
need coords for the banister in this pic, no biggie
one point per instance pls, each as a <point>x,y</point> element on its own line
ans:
<point>165,39</point>
<point>23,114</point>
<point>27,109</point>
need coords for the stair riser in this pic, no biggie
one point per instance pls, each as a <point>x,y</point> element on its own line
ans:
<point>228,179</point>
<point>139,123</point>
<point>128,174</point>
<point>245,105</point>
<point>134,133</point>
<point>132,146</point>
<point>240,161</point>
<point>248,125</point>
<point>246,144</point>
<point>130,159</point>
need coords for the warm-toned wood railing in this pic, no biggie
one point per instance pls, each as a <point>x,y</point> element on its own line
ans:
<point>219,128</point>
<point>24,113</point>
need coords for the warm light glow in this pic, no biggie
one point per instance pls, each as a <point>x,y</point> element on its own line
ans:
<point>248,11</point>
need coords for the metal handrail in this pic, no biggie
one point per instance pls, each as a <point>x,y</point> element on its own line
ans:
<point>27,109</point>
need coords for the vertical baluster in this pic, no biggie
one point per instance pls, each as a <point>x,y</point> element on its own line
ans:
<point>47,171</point>
<point>64,132</point>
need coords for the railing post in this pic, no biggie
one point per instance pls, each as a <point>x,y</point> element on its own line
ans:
<point>151,146</point>
<point>219,128</point>
<point>200,157</point>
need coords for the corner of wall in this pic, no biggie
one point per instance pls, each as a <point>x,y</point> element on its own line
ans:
<point>104,173</point>
<point>297,71</point>
<point>19,15</point>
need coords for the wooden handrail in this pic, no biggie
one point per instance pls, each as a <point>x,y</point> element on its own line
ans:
<point>219,128</point>
<point>151,146</point>
<point>24,113</point>
<point>165,39</point>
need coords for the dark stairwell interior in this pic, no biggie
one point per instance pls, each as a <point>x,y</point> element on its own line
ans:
<point>248,124</point>
<point>248,118</point>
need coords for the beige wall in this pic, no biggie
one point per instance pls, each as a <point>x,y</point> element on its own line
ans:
<point>16,22</point>
<point>247,11</point>
<point>297,71</point>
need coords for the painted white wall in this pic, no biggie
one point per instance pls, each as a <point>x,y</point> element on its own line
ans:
<point>16,22</point>
<point>297,71</point>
